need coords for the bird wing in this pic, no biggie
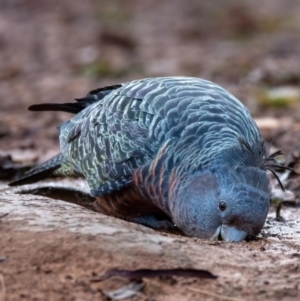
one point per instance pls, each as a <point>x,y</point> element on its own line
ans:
<point>109,139</point>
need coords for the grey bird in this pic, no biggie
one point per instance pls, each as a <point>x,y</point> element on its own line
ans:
<point>167,151</point>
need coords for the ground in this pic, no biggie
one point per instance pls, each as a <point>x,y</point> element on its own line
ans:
<point>57,51</point>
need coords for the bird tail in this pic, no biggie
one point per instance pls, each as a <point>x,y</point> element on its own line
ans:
<point>73,108</point>
<point>53,167</point>
<point>79,105</point>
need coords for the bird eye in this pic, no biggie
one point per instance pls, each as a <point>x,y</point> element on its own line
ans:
<point>222,206</point>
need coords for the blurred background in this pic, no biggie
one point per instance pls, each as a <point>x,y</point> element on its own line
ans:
<point>58,50</point>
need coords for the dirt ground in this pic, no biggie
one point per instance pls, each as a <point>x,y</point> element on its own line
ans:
<point>55,51</point>
<point>61,255</point>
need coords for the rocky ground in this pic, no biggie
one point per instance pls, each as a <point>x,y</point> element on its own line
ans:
<point>54,51</point>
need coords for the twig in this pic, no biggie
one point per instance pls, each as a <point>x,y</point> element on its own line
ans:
<point>204,292</point>
<point>2,288</point>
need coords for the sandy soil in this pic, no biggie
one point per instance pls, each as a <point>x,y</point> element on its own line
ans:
<point>58,50</point>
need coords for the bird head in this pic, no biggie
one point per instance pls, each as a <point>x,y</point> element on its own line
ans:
<point>222,203</point>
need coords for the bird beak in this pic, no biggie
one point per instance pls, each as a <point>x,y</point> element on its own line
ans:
<point>230,234</point>
<point>216,235</point>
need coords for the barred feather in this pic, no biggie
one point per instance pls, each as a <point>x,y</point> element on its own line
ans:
<point>150,133</point>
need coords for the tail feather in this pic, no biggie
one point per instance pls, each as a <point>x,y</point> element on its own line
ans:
<point>79,105</point>
<point>57,165</point>
<point>41,172</point>
<point>73,108</point>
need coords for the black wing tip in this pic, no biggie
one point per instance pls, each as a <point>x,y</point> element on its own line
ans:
<point>22,181</point>
<point>73,108</point>
<point>45,107</point>
<point>18,182</point>
<point>35,107</point>
<point>34,176</point>
<point>81,104</point>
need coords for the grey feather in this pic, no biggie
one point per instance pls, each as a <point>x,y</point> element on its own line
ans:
<point>159,135</point>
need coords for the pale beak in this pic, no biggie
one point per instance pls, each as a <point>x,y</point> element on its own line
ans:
<point>216,234</point>
<point>230,234</point>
